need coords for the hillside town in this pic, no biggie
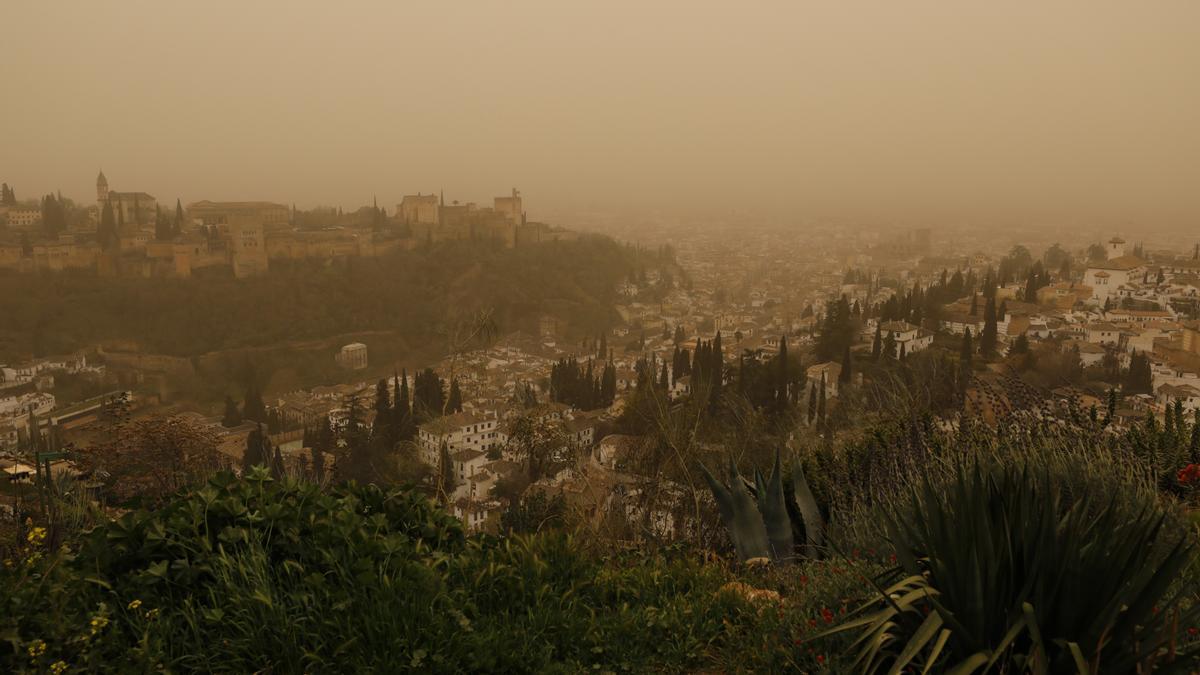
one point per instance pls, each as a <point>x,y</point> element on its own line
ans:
<point>1111,327</point>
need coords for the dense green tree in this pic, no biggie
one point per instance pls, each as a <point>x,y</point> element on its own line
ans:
<point>455,403</point>
<point>233,416</point>
<point>838,330</point>
<point>382,425</point>
<point>877,343</point>
<point>177,224</point>
<point>106,231</point>
<point>988,338</point>
<point>429,395</point>
<point>253,408</point>
<point>845,374</point>
<point>783,377</point>
<point>258,448</point>
<point>54,216</point>
<point>1139,379</point>
<point>821,402</point>
<point>162,227</point>
<point>402,414</point>
<point>1019,345</point>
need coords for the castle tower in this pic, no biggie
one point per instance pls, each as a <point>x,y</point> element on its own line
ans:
<point>101,189</point>
<point>1116,247</point>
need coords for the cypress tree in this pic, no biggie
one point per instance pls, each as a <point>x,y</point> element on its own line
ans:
<point>718,365</point>
<point>177,226</point>
<point>844,375</point>
<point>987,339</point>
<point>877,344</point>
<point>402,410</point>
<point>106,232</point>
<point>821,402</point>
<point>455,403</point>
<point>257,447</point>
<point>445,471</point>
<point>277,464</point>
<point>383,410</point>
<point>783,378</point>
<point>318,464</point>
<point>253,407</point>
<point>233,416</point>
<point>889,346</point>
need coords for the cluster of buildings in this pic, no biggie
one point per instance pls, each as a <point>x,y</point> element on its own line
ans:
<point>246,237</point>
<point>29,408</point>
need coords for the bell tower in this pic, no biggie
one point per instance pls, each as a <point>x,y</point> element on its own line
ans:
<point>101,189</point>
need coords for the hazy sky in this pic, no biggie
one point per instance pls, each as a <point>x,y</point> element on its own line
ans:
<point>897,110</point>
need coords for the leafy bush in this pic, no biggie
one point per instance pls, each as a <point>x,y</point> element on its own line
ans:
<point>255,574</point>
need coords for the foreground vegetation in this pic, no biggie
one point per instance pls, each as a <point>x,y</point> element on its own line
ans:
<point>255,574</point>
<point>1036,546</point>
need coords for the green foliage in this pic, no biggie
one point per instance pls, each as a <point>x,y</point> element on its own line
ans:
<point>307,300</point>
<point>760,525</point>
<point>262,575</point>
<point>1008,569</point>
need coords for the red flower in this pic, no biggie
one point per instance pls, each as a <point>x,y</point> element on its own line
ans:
<point>812,623</point>
<point>820,658</point>
<point>1192,630</point>
<point>1189,474</point>
<point>827,614</point>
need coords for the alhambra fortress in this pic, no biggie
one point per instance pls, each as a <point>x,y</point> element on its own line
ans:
<point>246,237</point>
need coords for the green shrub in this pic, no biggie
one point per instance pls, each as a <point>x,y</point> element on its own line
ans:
<point>1007,568</point>
<point>254,574</point>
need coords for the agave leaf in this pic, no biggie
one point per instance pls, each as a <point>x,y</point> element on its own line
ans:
<point>775,515</point>
<point>750,533</point>
<point>1080,663</point>
<point>926,632</point>
<point>721,495</point>
<point>969,665</point>
<point>936,651</point>
<point>814,526</point>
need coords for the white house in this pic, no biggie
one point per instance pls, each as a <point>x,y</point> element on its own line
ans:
<point>912,338</point>
<point>1105,277</point>
<point>460,431</point>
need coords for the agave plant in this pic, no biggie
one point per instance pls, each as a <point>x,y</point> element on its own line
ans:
<point>758,523</point>
<point>1003,572</point>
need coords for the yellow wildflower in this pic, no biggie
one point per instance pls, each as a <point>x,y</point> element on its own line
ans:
<point>36,536</point>
<point>134,604</point>
<point>98,623</point>
<point>36,649</point>
<point>58,667</point>
<point>152,613</point>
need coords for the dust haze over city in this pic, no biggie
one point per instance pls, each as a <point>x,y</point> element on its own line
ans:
<point>614,337</point>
